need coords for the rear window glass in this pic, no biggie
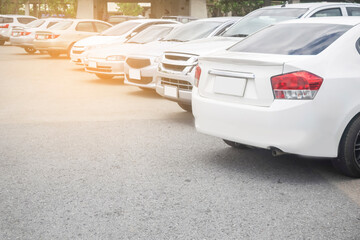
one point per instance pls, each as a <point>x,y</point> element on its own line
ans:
<point>353,11</point>
<point>192,30</point>
<point>6,20</point>
<point>25,20</point>
<point>51,24</point>
<point>35,24</point>
<point>292,39</point>
<point>62,25</point>
<point>150,34</point>
<point>120,29</point>
<point>262,18</point>
<point>85,27</point>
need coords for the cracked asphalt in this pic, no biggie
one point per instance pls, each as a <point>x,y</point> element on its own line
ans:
<point>83,158</point>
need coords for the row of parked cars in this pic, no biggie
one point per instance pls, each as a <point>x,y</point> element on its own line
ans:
<point>283,78</point>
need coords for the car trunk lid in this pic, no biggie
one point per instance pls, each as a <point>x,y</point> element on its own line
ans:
<point>241,77</point>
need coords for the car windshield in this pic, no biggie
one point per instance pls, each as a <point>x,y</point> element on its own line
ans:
<point>61,25</point>
<point>292,39</point>
<point>35,24</point>
<point>150,34</point>
<point>262,18</point>
<point>192,31</point>
<point>120,28</point>
<point>6,20</point>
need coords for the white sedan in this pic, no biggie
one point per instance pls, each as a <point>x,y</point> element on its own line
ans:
<point>292,87</point>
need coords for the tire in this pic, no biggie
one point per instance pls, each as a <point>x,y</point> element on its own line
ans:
<point>186,107</point>
<point>2,42</point>
<point>235,144</point>
<point>348,161</point>
<point>54,54</point>
<point>68,52</point>
<point>30,50</point>
<point>104,76</point>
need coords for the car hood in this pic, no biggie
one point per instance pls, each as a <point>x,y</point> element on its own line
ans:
<point>97,40</point>
<point>205,46</point>
<point>153,49</point>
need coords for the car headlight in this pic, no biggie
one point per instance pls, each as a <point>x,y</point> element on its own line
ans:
<point>115,58</point>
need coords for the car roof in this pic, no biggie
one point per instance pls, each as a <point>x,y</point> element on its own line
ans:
<point>219,19</point>
<point>314,5</point>
<point>147,20</point>
<point>352,21</point>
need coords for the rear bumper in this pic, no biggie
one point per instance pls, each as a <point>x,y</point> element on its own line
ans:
<point>49,45</point>
<point>22,41</point>
<point>296,127</point>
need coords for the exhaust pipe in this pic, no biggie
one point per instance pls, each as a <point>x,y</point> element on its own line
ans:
<point>276,152</point>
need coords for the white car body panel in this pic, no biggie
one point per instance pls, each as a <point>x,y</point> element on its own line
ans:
<point>211,46</point>
<point>305,127</point>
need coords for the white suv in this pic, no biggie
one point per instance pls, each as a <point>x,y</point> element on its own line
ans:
<point>8,22</point>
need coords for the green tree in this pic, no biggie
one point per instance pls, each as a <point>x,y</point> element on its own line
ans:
<point>236,7</point>
<point>130,9</point>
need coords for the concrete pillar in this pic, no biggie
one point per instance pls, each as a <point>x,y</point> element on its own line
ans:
<point>27,8</point>
<point>198,8</point>
<point>85,9</point>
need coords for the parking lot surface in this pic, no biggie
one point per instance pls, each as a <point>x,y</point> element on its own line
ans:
<point>83,158</point>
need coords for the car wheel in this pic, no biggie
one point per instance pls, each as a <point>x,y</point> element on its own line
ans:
<point>54,54</point>
<point>2,42</point>
<point>104,76</point>
<point>30,50</point>
<point>235,144</point>
<point>186,107</point>
<point>68,52</point>
<point>348,161</point>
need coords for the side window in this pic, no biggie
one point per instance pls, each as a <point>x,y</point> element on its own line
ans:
<point>85,27</point>
<point>25,20</point>
<point>333,12</point>
<point>100,27</point>
<point>353,11</point>
<point>51,24</point>
<point>6,20</point>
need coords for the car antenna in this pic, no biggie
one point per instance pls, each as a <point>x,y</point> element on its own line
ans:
<point>284,4</point>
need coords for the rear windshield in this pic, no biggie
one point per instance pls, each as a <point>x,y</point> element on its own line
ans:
<point>120,29</point>
<point>262,18</point>
<point>25,20</point>
<point>35,24</point>
<point>61,25</point>
<point>292,39</point>
<point>6,20</point>
<point>192,30</point>
<point>150,34</point>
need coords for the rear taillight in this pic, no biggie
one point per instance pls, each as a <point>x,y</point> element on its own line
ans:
<point>197,75</point>
<point>47,36</point>
<point>4,26</point>
<point>51,36</point>
<point>296,85</point>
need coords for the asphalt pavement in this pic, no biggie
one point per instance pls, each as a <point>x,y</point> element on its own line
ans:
<point>83,158</point>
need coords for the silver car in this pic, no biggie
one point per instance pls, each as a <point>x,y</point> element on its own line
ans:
<point>24,36</point>
<point>60,38</point>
